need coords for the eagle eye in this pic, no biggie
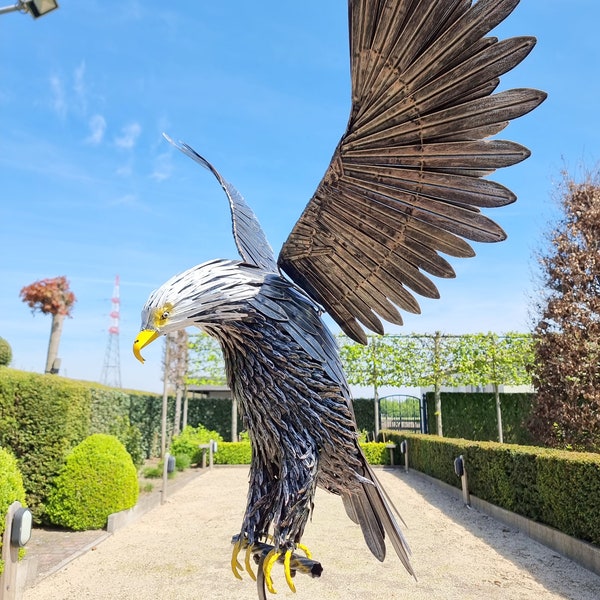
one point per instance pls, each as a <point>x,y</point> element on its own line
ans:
<point>161,315</point>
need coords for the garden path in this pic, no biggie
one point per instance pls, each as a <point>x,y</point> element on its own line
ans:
<point>181,550</point>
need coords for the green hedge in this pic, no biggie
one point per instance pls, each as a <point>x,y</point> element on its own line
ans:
<point>240,453</point>
<point>554,487</point>
<point>110,413</point>
<point>473,416</point>
<point>11,490</point>
<point>233,453</point>
<point>98,479</point>
<point>213,413</point>
<point>364,411</point>
<point>42,417</point>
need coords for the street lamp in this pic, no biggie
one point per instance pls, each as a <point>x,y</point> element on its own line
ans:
<point>36,8</point>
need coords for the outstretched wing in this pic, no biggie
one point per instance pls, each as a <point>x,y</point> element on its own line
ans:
<point>405,182</point>
<point>249,236</point>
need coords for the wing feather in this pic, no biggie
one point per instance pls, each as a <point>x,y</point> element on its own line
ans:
<point>406,181</point>
<point>249,237</point>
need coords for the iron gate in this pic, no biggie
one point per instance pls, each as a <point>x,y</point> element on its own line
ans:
<point>402,412</point>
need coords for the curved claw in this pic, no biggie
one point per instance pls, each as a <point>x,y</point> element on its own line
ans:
<point>287,570</point>
<point>247,561</point>
<point>236,567</point>
<point>304,549</point>
<point>270,560</point>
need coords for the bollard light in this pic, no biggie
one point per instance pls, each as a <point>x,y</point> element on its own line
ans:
<point>20,532</point>
<point>459,466</point>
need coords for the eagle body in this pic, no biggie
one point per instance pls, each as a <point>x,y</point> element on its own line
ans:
<point>283,367</point>
<point>404,194</point>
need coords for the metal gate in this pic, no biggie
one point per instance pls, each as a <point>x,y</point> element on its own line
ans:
<point>402,412</point>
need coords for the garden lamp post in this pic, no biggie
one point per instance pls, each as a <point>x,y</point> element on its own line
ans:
<point>36,8</point>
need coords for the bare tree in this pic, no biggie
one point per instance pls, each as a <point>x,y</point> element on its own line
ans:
<point>176,370</point>
<point>566,373</point>
<point>51,296</point>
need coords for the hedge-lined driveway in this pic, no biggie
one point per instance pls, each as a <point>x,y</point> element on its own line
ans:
<point>181,550</point>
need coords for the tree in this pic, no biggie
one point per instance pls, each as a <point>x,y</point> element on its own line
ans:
<point>175,361</point>
<point>206,361</point>
<point>208,368</point>
<point>434,365</point>
<point>51,296</point>
<point>401,360</point>
<point>492,359</point>
<point>437,361</point>
<point>369,365</point>
<point>566,371</point>
<point>5,353</point>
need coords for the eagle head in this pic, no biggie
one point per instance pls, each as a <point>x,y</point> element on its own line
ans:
<point>212,293</point>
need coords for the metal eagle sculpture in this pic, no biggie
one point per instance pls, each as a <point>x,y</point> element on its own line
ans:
<point>404,187</point>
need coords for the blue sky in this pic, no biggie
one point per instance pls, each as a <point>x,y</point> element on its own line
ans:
<point>89,189</point>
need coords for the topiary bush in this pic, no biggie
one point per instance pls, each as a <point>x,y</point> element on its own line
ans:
<point>98,479</point>
<point>11,490</point>
<point>5,353</point>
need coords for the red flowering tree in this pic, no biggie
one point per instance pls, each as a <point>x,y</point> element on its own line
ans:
<point>53,297</point>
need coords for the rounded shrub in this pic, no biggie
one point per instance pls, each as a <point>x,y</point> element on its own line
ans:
<point>11,490</point>
<point>98,479</point>
<point>5,353</point>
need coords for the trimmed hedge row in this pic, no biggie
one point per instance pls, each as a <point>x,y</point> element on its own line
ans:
<point>472,416</point>
<point>554,487</point>
<point>240,453</point>
<point>41,419</point>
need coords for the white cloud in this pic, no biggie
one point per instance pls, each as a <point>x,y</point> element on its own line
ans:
<point>58,99</point>
<point>129,136</point>
<point>97,129</point>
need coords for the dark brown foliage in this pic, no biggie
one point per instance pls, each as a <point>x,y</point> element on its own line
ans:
<point>567,334</point>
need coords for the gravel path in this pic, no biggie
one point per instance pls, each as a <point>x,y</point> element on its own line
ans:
<point>181,550</point>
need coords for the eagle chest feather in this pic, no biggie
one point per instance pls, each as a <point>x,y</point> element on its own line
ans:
<point>288,400</point>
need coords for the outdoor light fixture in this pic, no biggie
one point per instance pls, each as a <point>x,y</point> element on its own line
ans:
<point>20,532</point>
<point>36,8</point>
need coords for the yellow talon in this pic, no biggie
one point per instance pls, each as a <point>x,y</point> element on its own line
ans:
<point>268,566</point>
<point>304,549</point>
<point>247,562</point>
<point>235,565</point>
<point>288,571</point>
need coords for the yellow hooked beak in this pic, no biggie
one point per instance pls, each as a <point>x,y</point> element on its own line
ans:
<point>143,338</point>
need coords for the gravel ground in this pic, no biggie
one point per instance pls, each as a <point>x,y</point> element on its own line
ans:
<point>181,550</point>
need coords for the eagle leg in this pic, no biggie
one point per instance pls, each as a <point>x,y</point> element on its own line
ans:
<point>265,556</point>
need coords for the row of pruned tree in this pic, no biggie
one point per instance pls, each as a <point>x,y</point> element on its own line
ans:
<point>565,367</point>
<point>438,360</point>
